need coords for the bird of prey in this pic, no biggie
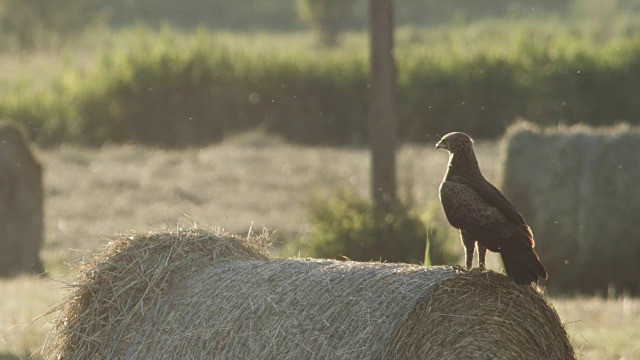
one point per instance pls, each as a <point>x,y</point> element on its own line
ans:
<point>484,215</point>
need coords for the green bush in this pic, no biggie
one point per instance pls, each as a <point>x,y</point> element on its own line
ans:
<point>343,226</point>
<point>178,90</point>
<point>174,92</point>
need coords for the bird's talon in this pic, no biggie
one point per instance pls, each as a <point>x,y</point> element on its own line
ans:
<point>458,268</point>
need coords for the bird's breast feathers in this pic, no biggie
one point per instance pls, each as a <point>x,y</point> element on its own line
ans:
<point>463,205</point>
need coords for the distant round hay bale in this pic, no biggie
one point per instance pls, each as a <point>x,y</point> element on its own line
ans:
<point>200,294</point>
<point>578,189</point>
<point>21,204</point>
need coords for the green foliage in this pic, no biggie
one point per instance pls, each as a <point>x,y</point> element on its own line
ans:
<point>343,225</point>
<point>29,24</point>
<point>436,12</point>
<point>329,17</point>
<point>187,90</point>
<point>214,14</point>
<point>175,92</point>
<point>281,14</point>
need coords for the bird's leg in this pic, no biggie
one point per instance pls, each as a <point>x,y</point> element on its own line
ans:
<point>469,248</point>
<point>482,255</point>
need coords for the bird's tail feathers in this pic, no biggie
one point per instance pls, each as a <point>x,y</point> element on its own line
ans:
<point>524,269</point>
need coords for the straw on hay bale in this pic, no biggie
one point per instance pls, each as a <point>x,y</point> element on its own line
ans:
<point>578,189</point>
<point>201,294</point>
<point>21,204</point>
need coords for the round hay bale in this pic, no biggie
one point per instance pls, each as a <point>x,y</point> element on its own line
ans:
<point>21,204</point>
<point>577,188</point>
<point>175,295</point>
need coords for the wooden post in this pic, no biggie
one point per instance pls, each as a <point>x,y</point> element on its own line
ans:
<point>382,117</point>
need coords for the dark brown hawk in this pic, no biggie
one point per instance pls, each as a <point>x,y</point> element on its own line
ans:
<point>484,215</point>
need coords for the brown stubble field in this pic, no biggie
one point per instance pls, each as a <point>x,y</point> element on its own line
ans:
<point>248,181</point>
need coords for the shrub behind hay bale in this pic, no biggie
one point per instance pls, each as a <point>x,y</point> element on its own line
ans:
<point>578,189</point>
<point>197,294</point>
<point>21,202</point>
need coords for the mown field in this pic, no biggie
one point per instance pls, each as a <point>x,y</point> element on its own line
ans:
<point>248,181</point>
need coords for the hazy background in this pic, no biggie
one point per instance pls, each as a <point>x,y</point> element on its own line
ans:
<point>250,113</point>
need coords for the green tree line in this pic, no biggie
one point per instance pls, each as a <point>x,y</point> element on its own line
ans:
<point>178,91</point>
<point>26,24</point>
<point>281,14</point>
<point>29,24</point>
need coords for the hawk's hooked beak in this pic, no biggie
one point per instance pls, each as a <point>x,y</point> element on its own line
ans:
<point>441,145</point>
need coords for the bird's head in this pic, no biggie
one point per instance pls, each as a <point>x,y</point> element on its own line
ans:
<point>455,141</point>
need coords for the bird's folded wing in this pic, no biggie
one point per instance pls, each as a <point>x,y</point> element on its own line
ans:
<point>493,197</point>
<point>466,209</point>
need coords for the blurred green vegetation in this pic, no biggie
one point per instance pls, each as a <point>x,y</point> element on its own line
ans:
<point>328,17</point>
<point>281,14</point>
<point>29,24</point>
<point>176,89</point>
<point>342,225</point>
